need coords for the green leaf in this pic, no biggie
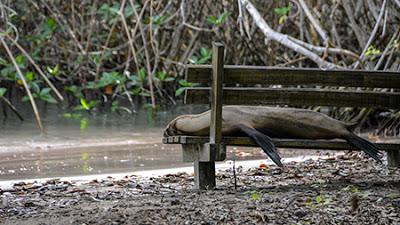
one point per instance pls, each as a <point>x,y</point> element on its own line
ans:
<point>53,71</point>
<point>29,76</point>
<point>282,11</point>
<point>51,24</point>
<point>193,60</point>
<point>45,91</point>
<point>20,59</point>
<point>161,75</point>
<point>84,104</point>
<point>48,98</point>
<point>222,18</point>
<point>255,196</point>
<point>2,91</point>
<point>159,19</point>
<point>114,106</point>
<point>179,91</point>
<point>184,83</point>
<point>318,199</point>
<point>25,98</point>
<point>35,87</point>
<point>204,52</point>
<point>212,19</point>
<point>142,74</point>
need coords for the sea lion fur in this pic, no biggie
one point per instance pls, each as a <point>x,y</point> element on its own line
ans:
<point>260,123</point>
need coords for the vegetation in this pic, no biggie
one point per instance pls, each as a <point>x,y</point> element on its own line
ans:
<point>114,56</point>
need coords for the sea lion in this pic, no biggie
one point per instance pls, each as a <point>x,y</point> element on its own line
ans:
<point>260,123</point>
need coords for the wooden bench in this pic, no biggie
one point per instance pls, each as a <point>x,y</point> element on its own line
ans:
<point>370,89</point>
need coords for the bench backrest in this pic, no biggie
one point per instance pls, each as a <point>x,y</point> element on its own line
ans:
<point>249,85</point>
<point>313,87</point>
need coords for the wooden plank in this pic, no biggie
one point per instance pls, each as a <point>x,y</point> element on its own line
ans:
<point>216,93</point>
<point>281,143</point>
<point>252,75</point>
<point>297,97</point>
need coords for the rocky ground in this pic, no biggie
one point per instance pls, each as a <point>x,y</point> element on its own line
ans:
<point>346,189</point>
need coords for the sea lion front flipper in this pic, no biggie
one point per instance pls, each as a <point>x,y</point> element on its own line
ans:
<point>365,145</point>
<point>263,141</point>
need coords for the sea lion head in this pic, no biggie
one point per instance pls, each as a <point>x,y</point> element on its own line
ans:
<point>171,129</point>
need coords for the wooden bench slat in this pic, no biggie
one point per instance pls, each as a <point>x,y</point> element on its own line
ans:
<point>281,143</point>
<point>297,97</point>
<point>251,75</point>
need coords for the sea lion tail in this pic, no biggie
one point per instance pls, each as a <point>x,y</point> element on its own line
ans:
<point>264,142</point>
<point>365,145</point>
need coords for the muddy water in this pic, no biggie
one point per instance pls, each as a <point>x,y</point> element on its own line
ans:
<point>92,145</point>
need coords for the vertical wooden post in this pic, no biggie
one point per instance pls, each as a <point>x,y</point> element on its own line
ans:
<point>216,93</point>
<point>205,171</point>
<point>393,158</point>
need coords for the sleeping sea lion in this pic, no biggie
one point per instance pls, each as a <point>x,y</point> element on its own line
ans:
<point>260,123</point>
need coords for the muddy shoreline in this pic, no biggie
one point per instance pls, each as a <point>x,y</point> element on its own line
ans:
<point>347,189</point>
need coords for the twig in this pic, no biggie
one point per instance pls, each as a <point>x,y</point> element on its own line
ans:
<point>21,76</point>
<point>37,69</point>
<point>372,36</point>
<point>314,22</point>
<point>321,50</point>
<point>146,52</point>
<point>356,29</point>
<point>389,45</point>
<point>12,107</point>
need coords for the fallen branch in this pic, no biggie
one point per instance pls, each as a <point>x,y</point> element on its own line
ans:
<point>284,39</point>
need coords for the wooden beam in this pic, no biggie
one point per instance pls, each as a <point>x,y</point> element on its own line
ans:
<point>297,97</point>
<point>252,75</point>
<point>216,93</point>
<point>281,143</point>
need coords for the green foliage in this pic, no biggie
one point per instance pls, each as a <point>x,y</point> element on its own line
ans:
<point>372,52</point>
<point>218,21</point>
<point>160,19</point>
<point>53,71</point>
<point>2,92</point>
<point>109,13</point>
<point>183,85</point>
<point>163,77</point>
<point>43,94</point>
<point>75,91</point>
<point>205,56</point>
<point>85,105</point>
<point>255,196</point>
<point>282,12</point>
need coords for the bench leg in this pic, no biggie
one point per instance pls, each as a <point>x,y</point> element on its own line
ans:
<point>393,158</point>
<point>204,175</point>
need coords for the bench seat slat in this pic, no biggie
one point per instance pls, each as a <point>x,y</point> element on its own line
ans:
<point>251,75</point>
<point>282,143</point>
<point>297,97</point>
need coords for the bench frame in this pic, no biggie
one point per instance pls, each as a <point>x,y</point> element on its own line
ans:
<point>204,151</point>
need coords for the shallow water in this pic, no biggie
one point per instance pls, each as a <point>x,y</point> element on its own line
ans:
<point>106,144</point>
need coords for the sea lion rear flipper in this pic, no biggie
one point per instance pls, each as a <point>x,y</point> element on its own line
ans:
<point>366,146</point>
<point>264,142</point>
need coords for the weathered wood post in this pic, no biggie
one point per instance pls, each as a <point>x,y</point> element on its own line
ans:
<point>393,157</point>
<point>205,170</point>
